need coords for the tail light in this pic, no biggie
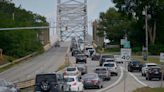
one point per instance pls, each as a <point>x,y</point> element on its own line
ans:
<point>95,81</point>
<point>65,73</point>
<point>74,84</point>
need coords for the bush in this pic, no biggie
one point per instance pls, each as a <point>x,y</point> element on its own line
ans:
<point>156,49</point>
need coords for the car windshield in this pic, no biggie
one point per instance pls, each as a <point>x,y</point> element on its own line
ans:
<point>71,69</point>
<point>109,65</point>
<point>69,79</point>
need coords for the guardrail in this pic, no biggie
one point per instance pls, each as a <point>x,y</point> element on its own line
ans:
<point>18,60</point>
<point>30,83</point>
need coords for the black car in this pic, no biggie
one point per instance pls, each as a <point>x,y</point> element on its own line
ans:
<point>103,57</point>
<point>134,65</point>
<point>81,58</point>
<point>154,72</point>
<point>75,52</point>
<point>51,82</point>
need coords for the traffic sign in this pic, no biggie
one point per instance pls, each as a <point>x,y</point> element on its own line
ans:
<point>126,54</point>
<point>161,57</point>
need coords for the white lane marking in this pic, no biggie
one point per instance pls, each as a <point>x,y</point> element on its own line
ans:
<point>115,83</point>
<point>142,83</point>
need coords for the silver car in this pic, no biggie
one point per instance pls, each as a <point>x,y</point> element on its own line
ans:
<point>82,67</point>
<point>103,73</point>
<point>6,86</point>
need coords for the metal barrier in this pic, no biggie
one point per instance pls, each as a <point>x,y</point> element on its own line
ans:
<point>25,84</point>
<point>30,83</point>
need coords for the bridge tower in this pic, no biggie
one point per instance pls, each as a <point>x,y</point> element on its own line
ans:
<point>72,19</point>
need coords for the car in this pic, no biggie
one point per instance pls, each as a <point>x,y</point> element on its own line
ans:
<point>89,50</point>
<point>154,72</point>
<point>112,66</point>
<point>80,41</point>
<point>92,80</point>
<point>102,58</point>
<point>145,67</point>
<point>57,44</point>
<point>81,58</point>
<point>73,83</point>
<point>82,67</point>
<point>71,70</point>
<point>49,82</point>
<point>103,73</point>
<point>134,65</point>
<point>6,86</point>
<point>76,52</point>
<point>118,59</point>
<point>95,57</point>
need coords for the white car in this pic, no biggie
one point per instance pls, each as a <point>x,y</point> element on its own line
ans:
<point>146,66</point>
<point>112,66</point>
<point>72,71</point>
<point>73,83</point>
<point>118,59</point>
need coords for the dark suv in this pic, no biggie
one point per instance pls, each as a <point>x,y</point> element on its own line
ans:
<point>154,72</point>
<point>51,82</point>
<point>81,58</point>
<point>134,65</point>
<point>75,52</point>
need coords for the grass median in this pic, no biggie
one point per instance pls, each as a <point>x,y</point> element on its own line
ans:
<point>150,59</point>
<point>147,89</point>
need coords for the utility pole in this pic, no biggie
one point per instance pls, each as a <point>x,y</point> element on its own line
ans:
<point>146,32</point>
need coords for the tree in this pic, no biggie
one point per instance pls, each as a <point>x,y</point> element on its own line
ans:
<point>113,25</point>
<point>135,8</point>
<point>18,43</point>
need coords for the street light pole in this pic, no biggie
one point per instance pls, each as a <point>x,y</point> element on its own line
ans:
<point>146,31</point>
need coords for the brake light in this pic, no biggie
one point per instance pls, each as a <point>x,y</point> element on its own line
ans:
<point>74,84</point>
<point>94,81</point>
<point>65,73</point>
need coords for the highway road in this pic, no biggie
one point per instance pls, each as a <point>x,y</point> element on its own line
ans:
<point>46,62</point>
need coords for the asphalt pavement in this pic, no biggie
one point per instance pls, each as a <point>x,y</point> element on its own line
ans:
<point>46,62</point>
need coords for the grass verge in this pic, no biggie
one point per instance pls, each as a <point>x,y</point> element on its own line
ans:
<point>147,89</point>
<point>150,59</point>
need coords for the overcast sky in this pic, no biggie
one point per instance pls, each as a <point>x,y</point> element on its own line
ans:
<point>48,8</point>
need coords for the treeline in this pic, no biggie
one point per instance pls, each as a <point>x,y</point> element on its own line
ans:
<point>18,43</point>
<point>128,18</point>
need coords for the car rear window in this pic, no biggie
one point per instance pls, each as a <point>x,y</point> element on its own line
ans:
<point>71,69</point>
<point>151,65</point>
<point>101,69</point>
<point>109,65</point>
<point>69,79</point>
<point>48,77</point>
<point>89,76</point>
